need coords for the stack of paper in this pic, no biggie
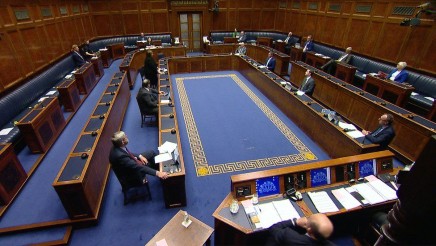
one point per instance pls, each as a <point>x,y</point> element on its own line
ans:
<point>345,198</point>
<point>286,210</point>
<point>322,202</point>
<point>165,152</point>
<point>368,193</point>
<point>381,188</point>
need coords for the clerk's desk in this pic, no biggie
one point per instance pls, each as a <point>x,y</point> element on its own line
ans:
<point>363,109</point>
<point>302,110</point>
<point>256,52</point>
<point>235,229</point>
<point>134,60</point>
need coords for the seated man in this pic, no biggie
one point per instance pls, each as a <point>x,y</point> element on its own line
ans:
<point>384,134</point>
<point>399,75</point>
<point>77,57</point>
<point>313,230</point>
<point>242,37</point>
<point>87,52</point>
<point>148,98</point>
<point>242,50</point>
<point>271,62</point>
<point>308,46</point>
<point>142,38</point>
<point>308,85</point>
<point>131,167</point>
<point>289,42</point>
<point>330,66</point>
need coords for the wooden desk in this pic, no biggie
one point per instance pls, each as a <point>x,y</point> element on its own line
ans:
<point>230,40</point>
<point>264,41</point>
<point>256,52</point>
<point>345,72</point>
<point>296,53</point>
<point>175,233</point>
<point>363,109</point>
<point>98,66</point>
<point>85,78</point>
<point>141,44</point>
<point>69,95</point>
<point>12,174</point>
<point>81,181</point>
<point>42,125</point>
<point>391,91</point>
<point>174,186</point>
<point>106,57</point>
<point>235,229</point>
<point>280,46</point>
<point>116,50</point>
<point>316,60</point>
<point>134,60</point>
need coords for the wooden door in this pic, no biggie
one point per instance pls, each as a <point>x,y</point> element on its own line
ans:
<point>190,30</point>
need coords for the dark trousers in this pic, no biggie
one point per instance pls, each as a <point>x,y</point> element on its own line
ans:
<point>150,154</point>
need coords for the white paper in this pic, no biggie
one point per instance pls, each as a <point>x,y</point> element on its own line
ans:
<point>414,93</point>
<point>104,49</point>
<point>430,98</point>
<point>344,125</point>
<point>6,131</point>
<point>346,199</point>
<point>50,93</point>
<point>268,215</point>
<point>381,188</point>
<point>322,202</point>
<point>285,210</point>
<point>355,134</point>
<point>261,66</point>
<point>164,101</point>
<point>167,147</point>
<point>163,157</point>
<point>300,93</point>
<point>42,99</point>
<point>368,193</point>
<point>68,76</point>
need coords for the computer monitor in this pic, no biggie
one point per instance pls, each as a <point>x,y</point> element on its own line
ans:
<point>320,176</point>
<point>367,167</point>
<point>268,186</point>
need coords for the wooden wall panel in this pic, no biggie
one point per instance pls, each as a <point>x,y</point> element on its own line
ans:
<point>371,38</point>
<point>267,19</point>
<point>54,41</point>
<point>101,6</point>
<point>219,21</point>
<point>279,23</point>
<point>21,53</point>
<point>339,34</point>
<point>146,23</point>
<point>132,24</point>
<point>104,26</point>
<point>389,43</point>
<point>5,16</point>
<point>413,47</point>
<point>428,60</point>
<point>310,26</point>
<point>244,17</point>
<point>356,34</point>
<point>161,23</point>
<point>327,29</point>
<point>117,24</point>
<point>9,64</point>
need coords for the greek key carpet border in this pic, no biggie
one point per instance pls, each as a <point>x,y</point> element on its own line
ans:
<point>198,155</point>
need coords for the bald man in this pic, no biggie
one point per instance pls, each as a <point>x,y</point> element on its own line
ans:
<point>312,230</point>
<point>330,66</point>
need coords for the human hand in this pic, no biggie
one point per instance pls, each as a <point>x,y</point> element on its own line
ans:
<point>162,175</point>
<point>143,159</point>
<point>365,132</point>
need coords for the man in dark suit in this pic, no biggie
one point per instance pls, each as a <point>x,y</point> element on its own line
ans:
<point>289,42</point>
<point>87,52</point>
<point>308,85</point>
<point>308,46</point>
<point>330,66</point>
<point>313,230</point>
<point>130,167</point>
<point>384,134</point>
<point>77,57</point>
<point>270,62</point>
<point>148,98</point>
<point>399,75</point>
<point>242,37</point>
<point>242,50</point>
<point>142,38</point>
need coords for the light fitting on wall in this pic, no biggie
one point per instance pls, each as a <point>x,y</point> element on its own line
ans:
<point>426,8</point>
<point>215,8</point>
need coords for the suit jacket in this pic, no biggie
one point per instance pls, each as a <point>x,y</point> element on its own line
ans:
<point>125,167</point>
<point>286,233</point>
<point>242,38</point>
<point>242,50</point>
<point>308,45</point>
<point>272,63</point>
<point>308,87</point>
<point>150,70</point>
<point>290,41</point>
<point>401,77</point>
<point>383,138</point>
<point>148,100</point>
<point>347,59</point>
<point>78,59</point>
<point>142,38</point>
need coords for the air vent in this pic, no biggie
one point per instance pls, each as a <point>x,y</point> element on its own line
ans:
<point>85,8</point>
<point>63,10</point>
<point>363,9</point>
<point>313,6</point>
<point>76,9</point>
<point>335,7</point>
<point>283,4</point>
<point>296,5</point>
<point>21,14</point>
<point>401,10</point>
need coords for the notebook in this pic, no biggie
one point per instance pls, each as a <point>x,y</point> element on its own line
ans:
<point>382,75</point>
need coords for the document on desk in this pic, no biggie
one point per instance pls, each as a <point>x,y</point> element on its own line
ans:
<point>286,210</point>
<point>368,193</point>
<point>268,215</point>
<point>162,157</point>
<point>167,147</point>
<point>344,125</point>
<point>346,199</point>
<point>381,188</point>
<point>355,134</point>
<point>323,202</point>
<point>6,131</point>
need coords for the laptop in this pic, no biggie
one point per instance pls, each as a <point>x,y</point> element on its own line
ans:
<point>382,75</point>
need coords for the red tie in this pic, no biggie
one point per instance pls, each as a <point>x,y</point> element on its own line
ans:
<point>133,157</point>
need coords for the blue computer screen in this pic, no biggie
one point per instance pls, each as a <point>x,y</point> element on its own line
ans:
<point>367,168</point>
<point>320,176</point>
<point>267,186</point>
